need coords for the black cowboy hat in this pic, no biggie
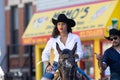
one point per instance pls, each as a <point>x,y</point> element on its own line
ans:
<point>113,32</point>
<point>63,18</point>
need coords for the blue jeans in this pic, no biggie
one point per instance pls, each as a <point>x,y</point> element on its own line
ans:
<point>115,76</point>
<point>55,67</point>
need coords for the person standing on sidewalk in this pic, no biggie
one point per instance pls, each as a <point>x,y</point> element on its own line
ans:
<point>111,56</point>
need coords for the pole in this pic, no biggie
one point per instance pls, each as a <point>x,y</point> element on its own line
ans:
<point>8,59</point>
<point>31,63</point>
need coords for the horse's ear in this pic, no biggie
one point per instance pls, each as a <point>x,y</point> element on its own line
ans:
<point>58,48</point>
<point>74,48</point>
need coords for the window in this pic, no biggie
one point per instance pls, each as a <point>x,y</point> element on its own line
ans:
<point>14,30</point>
<point>28,14</point>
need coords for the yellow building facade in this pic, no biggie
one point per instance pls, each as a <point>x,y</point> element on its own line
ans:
<point>92,23</point>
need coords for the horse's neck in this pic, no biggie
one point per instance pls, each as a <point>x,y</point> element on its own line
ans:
<point>68,76</point>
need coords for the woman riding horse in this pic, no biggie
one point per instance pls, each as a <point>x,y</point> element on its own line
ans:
<point>62,34</point>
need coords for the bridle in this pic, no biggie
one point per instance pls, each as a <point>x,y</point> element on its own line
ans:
<point>65,65</point>
<point>67,62</point>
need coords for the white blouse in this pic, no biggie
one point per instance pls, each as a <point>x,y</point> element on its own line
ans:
<point>51,44</point>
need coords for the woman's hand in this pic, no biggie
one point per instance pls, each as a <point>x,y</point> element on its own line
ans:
<point>76,56</point>
<point>49,68</point>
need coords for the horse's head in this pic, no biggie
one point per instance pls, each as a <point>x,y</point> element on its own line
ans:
<point>66,62</point>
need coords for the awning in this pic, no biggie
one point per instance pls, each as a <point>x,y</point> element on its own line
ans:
<point>91,20</point>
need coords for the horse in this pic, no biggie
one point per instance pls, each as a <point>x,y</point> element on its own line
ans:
<point>67,64</point>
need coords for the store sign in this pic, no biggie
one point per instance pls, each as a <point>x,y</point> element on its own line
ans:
<point>90,21</point>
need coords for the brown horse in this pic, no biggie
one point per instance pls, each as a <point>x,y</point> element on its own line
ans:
<point>66,64</point>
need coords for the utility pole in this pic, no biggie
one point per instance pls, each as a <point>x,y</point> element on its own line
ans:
<point>31,63</point>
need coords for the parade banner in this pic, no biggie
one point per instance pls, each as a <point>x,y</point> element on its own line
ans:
<point>90,21</point>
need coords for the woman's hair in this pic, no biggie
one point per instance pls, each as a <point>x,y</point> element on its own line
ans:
<point>55,32</point>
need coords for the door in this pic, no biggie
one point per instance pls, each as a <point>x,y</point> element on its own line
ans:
<point>87,60</point>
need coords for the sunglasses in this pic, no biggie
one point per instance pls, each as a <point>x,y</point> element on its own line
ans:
<point>115,38</point>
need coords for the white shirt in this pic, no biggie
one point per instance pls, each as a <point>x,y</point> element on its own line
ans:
<point>51,44</point>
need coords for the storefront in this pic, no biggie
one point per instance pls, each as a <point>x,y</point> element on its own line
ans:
<point>92,24</point>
